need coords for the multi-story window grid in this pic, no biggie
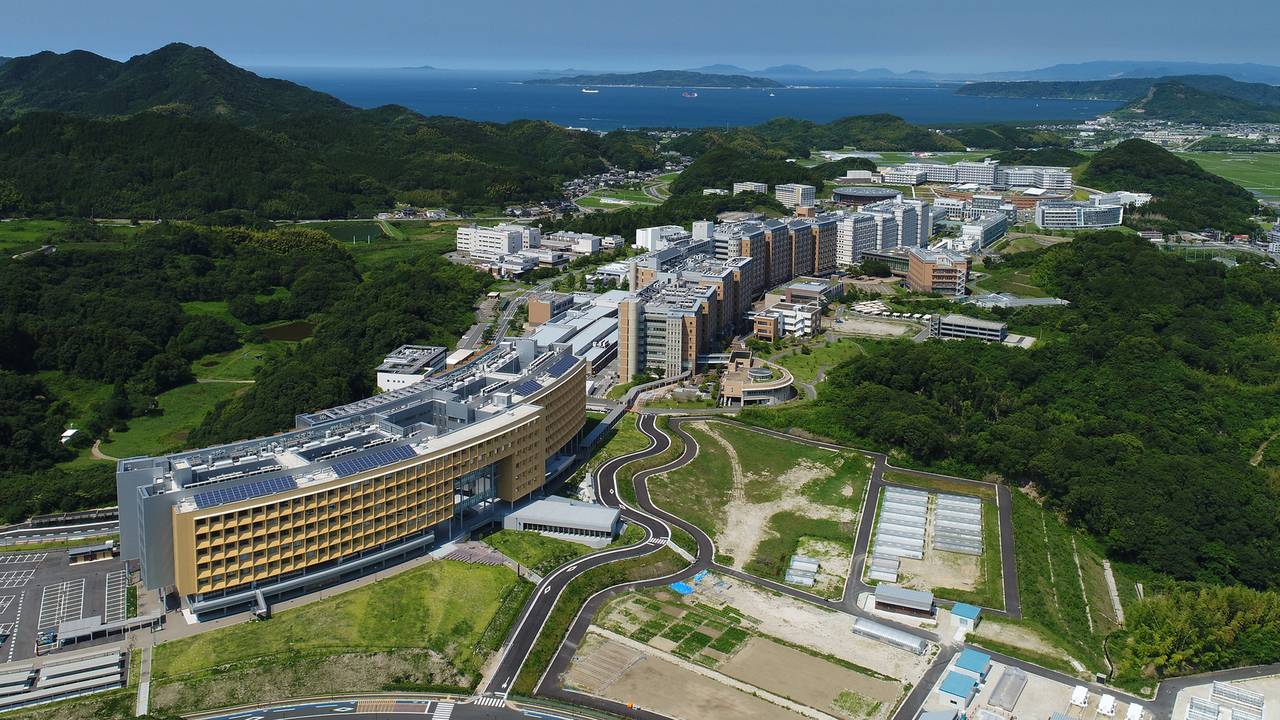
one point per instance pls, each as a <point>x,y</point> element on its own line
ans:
<point>565,530</point>
<point>364,480</point>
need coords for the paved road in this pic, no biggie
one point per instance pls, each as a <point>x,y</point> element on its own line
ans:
<point>516,650</point>
<point>59,532</point>
<point>384,707</point>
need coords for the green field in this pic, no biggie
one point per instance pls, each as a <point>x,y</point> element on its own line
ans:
<point>21,235</point>
<point>632,198</point>
<point>537,552</point>
<point>446,617</point>
<point>80,393</point>
<point>238,364</point>
<point>1257,172</point>
<point>1010,280</point>
<point>805,367</point>
<point>182,409</point>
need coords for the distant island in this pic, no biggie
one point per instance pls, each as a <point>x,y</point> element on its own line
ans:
<point>1184,98</point>
<point>662,78</point>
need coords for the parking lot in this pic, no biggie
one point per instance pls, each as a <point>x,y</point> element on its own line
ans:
<point>40,590</point>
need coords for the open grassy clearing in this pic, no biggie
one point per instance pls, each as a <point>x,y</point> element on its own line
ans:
<point>81,394</point>
<point>1066,602</point>
<point>374,243</point>
<point>238,364</point>
<point>180,411</point>
<point>1256,172</point>
<point>1010,280</point>
<point>21,235</point>
<point>445,615</point>
<point>826,355</point>
<point>543,554</point>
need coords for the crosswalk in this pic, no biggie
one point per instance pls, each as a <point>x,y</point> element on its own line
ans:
<point>443,711</point>
<point>489,701</point>
<point>656,541</point>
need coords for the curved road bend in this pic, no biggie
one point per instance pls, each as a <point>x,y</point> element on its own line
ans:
<point>545,595</point>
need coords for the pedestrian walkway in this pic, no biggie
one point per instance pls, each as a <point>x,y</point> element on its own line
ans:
<point>443,711</point>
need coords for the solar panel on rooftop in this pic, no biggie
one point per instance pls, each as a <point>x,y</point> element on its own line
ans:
<point>561,366</point>
<point>528,387</point>
<point>222,496</point>
<point>371,460</point>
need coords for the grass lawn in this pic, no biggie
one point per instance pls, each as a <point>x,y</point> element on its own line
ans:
<point>59,544</point>
<point>238,364</point>
<point>1257,172</point>
<point>182,410</point>
<point>1010,280</point>
<point>445,606</point>
<point>348,231</point>
<point>537,552</point>
<point>805,367</point>
<point>21,235</point>
<point>213,308</point>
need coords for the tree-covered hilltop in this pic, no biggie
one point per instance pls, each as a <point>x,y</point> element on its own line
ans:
<point>662,78</point>
<point>1178,102</point>
<point>1006,137</point>
<point>791,138</point>
<point>1052,156</point>
<point>176,76</point>
<point>722,166</point>
<point>1186,197</point>
<point>1135,418</point>
<point>180,132</point>
<point>114,315</point>
<point>1179,98</point>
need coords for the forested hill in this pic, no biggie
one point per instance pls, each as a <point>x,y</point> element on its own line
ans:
<point>1136,416</point>
<point>1183,98</point>
<point>1186,196</point>
<point>790,138</point>
<point>175,77</point>
<point>663,78</point>
<point>180,132</point>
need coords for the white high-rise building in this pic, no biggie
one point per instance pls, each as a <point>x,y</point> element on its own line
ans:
<point>912,223</point>
<point>855,234</point>
<point>653,239</point>
<point>794,195</point>
<point>755,187</point>
<point>704,230</point>
<point>491,243</point>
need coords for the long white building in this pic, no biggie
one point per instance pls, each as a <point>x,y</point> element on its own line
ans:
<point>794,195</point>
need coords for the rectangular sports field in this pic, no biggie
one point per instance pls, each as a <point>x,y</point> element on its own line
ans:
<point>1257,172</point>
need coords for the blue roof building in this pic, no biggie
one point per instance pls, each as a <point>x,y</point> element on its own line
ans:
<point>975,663</point>
<point>965,611</point>
<point>958,690</point>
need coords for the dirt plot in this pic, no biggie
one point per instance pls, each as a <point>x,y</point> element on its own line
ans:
<point>833,564</point>
<point>664,687</point>
<point>744,528</point>
<point>806,679</point>
<point>1019,636</point>
<point>859,325</point>
<point>940,569</point>
<point>824,631</point>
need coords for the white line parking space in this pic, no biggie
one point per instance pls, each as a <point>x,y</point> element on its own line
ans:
<point>60,603</point>
<point>5,602</point>
<point>22,558</point>
<point>117,582</point>
<point>15,578</point>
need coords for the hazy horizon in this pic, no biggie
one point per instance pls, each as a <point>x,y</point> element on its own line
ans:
<point>932,36</point>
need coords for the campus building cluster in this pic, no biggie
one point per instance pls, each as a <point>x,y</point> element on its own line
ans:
<point>355,487</point>
<point>510,250</point>
<point>1078,214</point>
<point>987,173</point>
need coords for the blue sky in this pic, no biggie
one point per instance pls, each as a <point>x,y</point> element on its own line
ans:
<point>938,35</point>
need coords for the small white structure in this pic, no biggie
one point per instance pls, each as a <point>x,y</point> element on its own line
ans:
<point>67,435</point>
<point>1107,705</point>
<point>1134,712</point>
<point>408,364</point>
<point>581,522</point>
<point>1080,696</point>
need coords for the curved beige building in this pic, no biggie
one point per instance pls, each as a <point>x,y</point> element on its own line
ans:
<point>352,488</point>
